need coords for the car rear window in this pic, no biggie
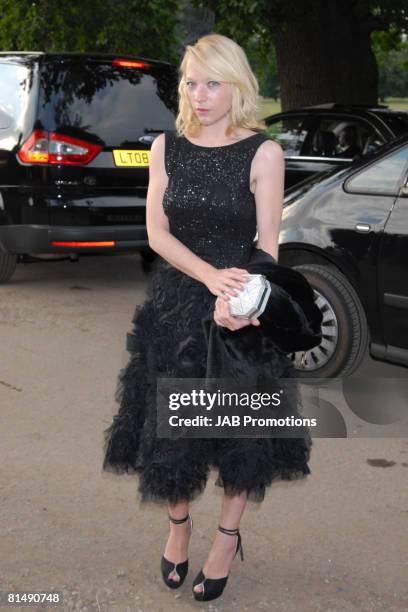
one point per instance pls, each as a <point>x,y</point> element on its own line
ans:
<point>115,104</point>
<point>15,85</point>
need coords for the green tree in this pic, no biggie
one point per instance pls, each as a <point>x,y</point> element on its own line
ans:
<point>384,42</point>
<point>111,26</point>
<point>391,52</point>
<point>394,74</point>
<point>323,47</point>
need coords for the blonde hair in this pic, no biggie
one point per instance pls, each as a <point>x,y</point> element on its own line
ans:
<point>223,59</point>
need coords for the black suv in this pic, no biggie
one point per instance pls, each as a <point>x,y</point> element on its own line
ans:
<point>75,136</point>
<point>317,138</point>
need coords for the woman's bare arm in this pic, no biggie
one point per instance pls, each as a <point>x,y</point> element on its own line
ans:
<point>160,239</point>
<point>269,175</point>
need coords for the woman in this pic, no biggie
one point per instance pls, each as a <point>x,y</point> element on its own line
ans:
<point>213,184</point>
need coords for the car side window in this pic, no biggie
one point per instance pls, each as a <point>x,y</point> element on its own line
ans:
<point>382,177</point>
<point>13,93</point>
<point>343,137</point>
<point>289,132</point>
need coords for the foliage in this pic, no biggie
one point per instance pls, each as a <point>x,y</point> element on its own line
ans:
<point>394,73</point>
<point>152,30</point>
<point>383,42</point>
<point>253,23</point>
<point>104,26</point>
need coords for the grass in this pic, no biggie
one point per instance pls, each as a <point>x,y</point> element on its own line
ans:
<point>397,103</point>
<point>269,106</point>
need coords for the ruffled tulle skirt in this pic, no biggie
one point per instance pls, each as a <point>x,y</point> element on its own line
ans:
<point>168,340</point>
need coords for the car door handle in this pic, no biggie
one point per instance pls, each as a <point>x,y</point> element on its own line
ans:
<point>362,227</point>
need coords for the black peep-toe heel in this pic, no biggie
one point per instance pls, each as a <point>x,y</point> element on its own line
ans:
<point>168,566</point>
<point>213,587</point>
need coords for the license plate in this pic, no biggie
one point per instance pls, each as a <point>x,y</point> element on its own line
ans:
<point>131,158</point>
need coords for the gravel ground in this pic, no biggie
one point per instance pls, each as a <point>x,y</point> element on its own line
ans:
<point>332,543</point>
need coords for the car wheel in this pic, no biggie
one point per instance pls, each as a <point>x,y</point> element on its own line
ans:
<point>8,263</point>
<point>344,326</point>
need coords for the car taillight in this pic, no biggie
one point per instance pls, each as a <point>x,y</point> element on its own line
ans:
<point>52,148</point>
<point>124,63</point>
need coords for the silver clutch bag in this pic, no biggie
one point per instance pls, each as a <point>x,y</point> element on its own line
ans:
<point>250,302</point>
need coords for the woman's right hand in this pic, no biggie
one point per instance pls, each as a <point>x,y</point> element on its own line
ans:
<point>226,282</point>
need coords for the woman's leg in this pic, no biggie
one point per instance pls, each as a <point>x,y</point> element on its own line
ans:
<point>221,555</point>
<point>176,549</point>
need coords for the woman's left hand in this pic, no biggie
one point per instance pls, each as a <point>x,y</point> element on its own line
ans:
<point>223,317</point>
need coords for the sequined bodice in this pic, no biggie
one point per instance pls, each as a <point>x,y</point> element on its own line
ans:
<point>208,200</point>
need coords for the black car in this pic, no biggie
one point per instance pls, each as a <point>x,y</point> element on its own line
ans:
<point>316,138</point>
<point>346,230</point>
<point>75,136</point>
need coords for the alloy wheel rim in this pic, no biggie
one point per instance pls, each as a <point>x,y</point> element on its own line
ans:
<point>319,356</point>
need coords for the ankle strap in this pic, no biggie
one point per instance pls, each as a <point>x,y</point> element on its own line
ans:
<point>228,531</point>
<point>178,521</point>
<point>239,542</point>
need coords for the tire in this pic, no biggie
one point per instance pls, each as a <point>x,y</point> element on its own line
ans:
<point>344,326</point>
<point>8,262</point>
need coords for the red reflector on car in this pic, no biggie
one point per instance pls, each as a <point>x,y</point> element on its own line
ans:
<point>107,243</point>
<point>124,63</point>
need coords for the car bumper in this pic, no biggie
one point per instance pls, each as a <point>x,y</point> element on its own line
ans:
<point>45,238</point>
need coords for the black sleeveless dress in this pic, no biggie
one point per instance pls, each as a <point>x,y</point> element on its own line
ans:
<point>212,211</point>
